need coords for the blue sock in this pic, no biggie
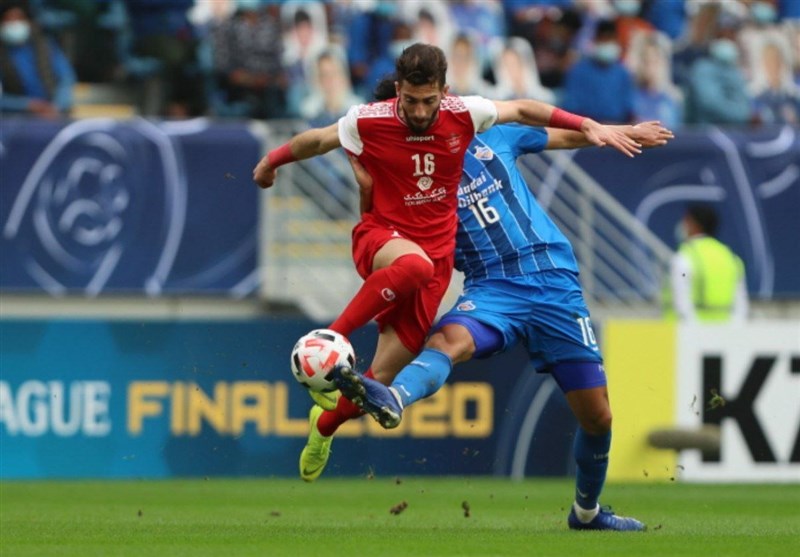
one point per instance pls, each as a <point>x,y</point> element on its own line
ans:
<point>422,377</point>
<point>591,457</point>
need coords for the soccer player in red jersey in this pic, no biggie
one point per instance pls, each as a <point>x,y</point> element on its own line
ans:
<point>413,146</point>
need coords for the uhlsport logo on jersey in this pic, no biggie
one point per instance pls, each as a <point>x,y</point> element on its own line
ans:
<point>418,138</point>
<point>483,153</point>
<point>388,294</point>
<point>466,306</point>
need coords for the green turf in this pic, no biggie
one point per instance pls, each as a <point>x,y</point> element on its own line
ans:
<point>352,517</point>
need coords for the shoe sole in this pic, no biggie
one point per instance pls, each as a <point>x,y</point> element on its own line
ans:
<point>575,524</point>
<point>598,529</point>
<point>354,389</point>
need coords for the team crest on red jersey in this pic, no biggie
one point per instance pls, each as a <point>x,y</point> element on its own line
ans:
<point>454,143</point>
<point>425,183</point>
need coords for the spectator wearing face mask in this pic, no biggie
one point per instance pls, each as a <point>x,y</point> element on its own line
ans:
<point>599,85</point>
<point>716,91</point>
<point>35,75</point>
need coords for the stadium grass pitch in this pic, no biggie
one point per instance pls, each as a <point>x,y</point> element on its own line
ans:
<point>384,517</point>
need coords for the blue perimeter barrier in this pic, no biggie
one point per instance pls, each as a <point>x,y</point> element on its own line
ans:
<point>752,179</point>
<point>136,207</point>
<point>124,399</point>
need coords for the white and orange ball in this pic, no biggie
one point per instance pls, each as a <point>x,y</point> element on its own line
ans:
<point>316,354</point>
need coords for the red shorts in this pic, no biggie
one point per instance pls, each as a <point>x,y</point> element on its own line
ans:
<point>411,317</point>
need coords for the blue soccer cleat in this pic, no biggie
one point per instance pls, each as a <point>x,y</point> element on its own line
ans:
<point>606,520</point>
<point>373,397</point>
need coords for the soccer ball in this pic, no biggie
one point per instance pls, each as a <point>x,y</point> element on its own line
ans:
<point>316,354</point>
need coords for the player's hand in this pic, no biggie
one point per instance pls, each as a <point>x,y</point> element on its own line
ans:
<point>364,184</point>
<point>650,134</point>
<point>263,174</point>
<point>601,136</point>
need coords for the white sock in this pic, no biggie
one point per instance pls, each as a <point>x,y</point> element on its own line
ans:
<point>584,515</point>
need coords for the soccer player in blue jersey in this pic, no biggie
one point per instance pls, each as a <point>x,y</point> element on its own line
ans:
<point>521,284</point>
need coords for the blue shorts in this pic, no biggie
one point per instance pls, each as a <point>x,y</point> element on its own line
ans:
<point>545,311</point>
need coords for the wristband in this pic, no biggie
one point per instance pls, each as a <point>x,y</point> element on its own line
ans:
<point>565,120</point>
<point>280,156</point>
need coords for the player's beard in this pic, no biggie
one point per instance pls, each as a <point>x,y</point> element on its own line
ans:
<point>421,126</point>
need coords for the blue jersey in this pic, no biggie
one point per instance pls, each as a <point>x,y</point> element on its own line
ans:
<point>502,229</point>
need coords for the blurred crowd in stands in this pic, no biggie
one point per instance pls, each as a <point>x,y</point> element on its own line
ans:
<point>728,62</point>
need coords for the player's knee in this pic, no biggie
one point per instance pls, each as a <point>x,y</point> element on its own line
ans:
<point>454,341</point>
<point>405,276</point>
<point>598,422</point>
<point>413,270</point>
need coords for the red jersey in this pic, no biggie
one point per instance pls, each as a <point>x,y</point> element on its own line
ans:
<point>416,176</point>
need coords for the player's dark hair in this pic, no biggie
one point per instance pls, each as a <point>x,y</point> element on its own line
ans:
<point>705,217</point>
<point>385,89</point>
<point>422,64</point>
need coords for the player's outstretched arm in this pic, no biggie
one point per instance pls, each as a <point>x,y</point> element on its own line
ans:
<point>647,134</point>
<point>310,143</point>
<point>535,113</point>
<point>528,112</point>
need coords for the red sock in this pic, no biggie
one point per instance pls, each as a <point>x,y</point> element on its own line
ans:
<point>407,274</point>
<point>330,420</point>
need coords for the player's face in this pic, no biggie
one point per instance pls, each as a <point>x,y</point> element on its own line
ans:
<point>419,104</point>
